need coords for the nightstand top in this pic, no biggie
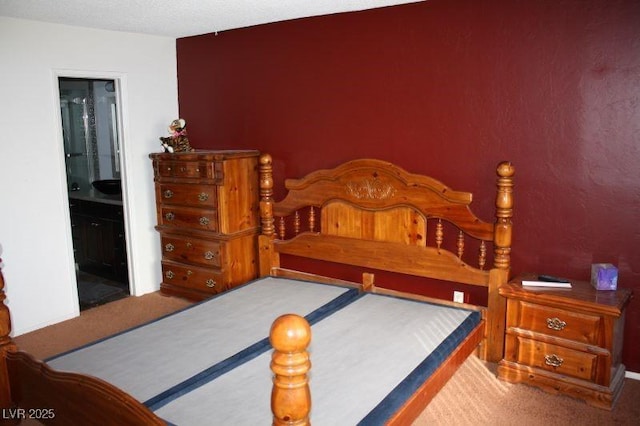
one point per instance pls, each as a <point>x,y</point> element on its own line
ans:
<point>581,294</point>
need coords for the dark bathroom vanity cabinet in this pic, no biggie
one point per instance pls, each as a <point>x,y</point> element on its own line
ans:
<point>99,243</point>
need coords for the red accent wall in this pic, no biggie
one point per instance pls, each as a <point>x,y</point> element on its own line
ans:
<point>449,88</point>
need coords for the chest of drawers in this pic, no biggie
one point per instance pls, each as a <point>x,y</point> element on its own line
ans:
<point>208,219</point>
<point>565,340</point>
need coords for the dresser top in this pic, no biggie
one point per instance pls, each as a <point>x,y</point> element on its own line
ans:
<point>581,295</point>
<point>202,154</point>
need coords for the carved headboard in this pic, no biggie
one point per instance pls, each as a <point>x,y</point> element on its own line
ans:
<point>373,214</point>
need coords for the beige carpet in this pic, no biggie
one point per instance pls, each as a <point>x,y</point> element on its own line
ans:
<point>474,396</point>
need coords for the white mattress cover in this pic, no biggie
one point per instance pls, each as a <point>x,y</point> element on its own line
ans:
<point>145,361</point>
<point>358,355</point>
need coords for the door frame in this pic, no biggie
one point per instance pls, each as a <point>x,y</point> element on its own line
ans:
<point>120,81</point>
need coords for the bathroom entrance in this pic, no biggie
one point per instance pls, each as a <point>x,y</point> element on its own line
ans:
<point>90,127</point>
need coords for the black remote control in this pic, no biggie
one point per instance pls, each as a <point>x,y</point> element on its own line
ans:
<point>552,279</point>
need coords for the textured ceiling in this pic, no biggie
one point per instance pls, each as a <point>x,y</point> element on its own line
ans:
<point>178,18</point>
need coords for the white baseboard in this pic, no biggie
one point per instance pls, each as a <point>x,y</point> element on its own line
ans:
<point>632,375</point>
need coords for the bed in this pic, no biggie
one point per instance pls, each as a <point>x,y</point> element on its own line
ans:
<point>326,350</point>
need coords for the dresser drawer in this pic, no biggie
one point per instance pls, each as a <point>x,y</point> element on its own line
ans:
<point>191,250</point>
<point>578,327</point>
<point>193,218</point>
<point>186,169</point>
<point>189,195</point>
<point>189,169</point>
<point>556,358</point>
<point>201,279</point>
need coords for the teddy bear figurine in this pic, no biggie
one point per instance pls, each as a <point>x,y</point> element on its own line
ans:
<point>178,141</point>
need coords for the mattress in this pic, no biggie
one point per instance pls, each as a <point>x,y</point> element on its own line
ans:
<point>367,357</point>
<point>153,361</point>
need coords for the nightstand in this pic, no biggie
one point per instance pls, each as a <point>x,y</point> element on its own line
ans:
<point>564,340</point>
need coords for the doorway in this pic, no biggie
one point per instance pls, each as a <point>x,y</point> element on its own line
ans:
<point>91,136</point>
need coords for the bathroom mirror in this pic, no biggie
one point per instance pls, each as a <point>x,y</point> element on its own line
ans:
<point>90,130</point>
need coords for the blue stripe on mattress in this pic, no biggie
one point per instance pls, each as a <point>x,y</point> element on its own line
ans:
<point>141,361</point>
<point>245,355</point>
<point>170,314</point>
<point>398,396</point>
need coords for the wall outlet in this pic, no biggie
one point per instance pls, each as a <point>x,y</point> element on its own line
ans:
<point>458,296</point>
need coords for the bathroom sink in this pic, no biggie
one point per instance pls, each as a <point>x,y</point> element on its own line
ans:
<point>108,186</point>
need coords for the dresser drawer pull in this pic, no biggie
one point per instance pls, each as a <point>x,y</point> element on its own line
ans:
<point>169,275</point>
<point>168,193</point>
<point>183,169</point>
<point>204,221</point>
<point>169,247</point>
<point>553,360</point>
<point>209,255</point>
<point>556,324</point>
<point>203,196</point>
<point>170,216</point>
<point>210,283</point>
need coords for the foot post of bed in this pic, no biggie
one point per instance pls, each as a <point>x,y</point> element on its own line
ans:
<point>6,345</point>
<point>290,397</point>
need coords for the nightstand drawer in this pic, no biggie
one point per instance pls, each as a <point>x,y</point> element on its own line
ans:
<point>201,279</point>
<point>556,358</point>
<point>575,326</point>
<point>191,250</point>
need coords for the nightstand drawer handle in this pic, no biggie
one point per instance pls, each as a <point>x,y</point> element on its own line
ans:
<point>211,283</point>
<point>168,193</point>
<point>169,247</point>
<point>169,274</point>
<point>203,196</point>
<point>209,255</point>
<point>553,360</point>
<point>556,324</point>
<point>204,221</point>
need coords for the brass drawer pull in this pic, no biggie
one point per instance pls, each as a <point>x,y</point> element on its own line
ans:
<point>204,221</point>
<point>556,324</point>
<point>553,360</point>
<point>169,275</point>
<point>169,247</point>
<point>168,193</point>
<point>170,216</point>
<point>210,283</point>
<point>203,196</point>
<point>209,255</point>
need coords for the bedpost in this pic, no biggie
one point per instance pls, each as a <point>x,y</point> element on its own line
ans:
<point>290,398</point>
<point>265,239</point>
<point>494,346</point>
<point>6,345</point>
<point>504,213</point>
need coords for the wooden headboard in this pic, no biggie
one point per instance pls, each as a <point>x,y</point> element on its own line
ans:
<point>373,214</point>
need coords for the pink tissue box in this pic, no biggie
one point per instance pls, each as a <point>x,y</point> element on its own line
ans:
<point>604,276</point>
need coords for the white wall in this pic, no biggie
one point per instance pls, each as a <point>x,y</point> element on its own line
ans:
<point>35,236</point>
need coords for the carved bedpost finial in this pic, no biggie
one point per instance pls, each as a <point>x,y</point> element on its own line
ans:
<point>290,398</point>
<point>504,213</point>
<point>266,194</point>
